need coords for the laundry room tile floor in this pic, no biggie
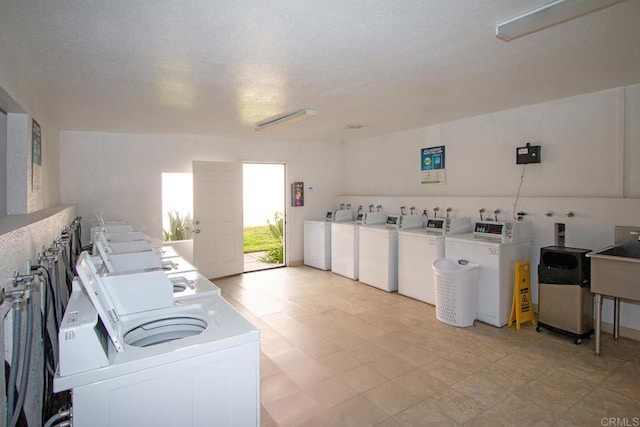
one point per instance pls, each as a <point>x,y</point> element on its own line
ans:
<point>336,352</point>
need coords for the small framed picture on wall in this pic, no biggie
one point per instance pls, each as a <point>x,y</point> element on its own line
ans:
<point>297,194</point>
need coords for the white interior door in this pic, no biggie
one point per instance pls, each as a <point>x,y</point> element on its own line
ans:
<point>217,213</point>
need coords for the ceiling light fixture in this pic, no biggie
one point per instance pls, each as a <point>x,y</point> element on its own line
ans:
<point>548,15</point>
<point>282,119</point>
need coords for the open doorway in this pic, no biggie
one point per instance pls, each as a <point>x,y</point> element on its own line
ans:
<point>263,215</point>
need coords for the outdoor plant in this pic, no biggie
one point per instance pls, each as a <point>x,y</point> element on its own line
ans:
<point>275,255</point>
<point>180,227</point>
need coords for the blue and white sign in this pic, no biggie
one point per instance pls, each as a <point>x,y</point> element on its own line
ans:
<point>432,165</point>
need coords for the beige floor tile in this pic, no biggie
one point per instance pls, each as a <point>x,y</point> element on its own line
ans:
<point>506,378</point>
<point>266,420</point>
<point>391,398</point>
<point>362,378</point>
<point>420,383</point>
<point>275,345</point>
<point>391,342</point>
<point>391,366</point>
<point>331,392</point>
<point>584,414</point>
<point>339,362</point>
<point>326,327</point>
<point>515,410</point>
<point>370,331</point>
<point>307,373</point>
<point>528,364</point>
<point>358,411</point>
<point>456,405</point>
<point>319,347</point>
<point>557,391</point>
<point>315,324</point>
<point>277,386</point>
<point>293,409</point>
<point>423,414</point>
<point>481,388</point>
<point>290,357</point>
<point>389,422</point>
<point>613,401</point>
<point>367,352</point>
<point>267,366</point>
<point>416,355</point>
<point>447,371</point>
<point>345,339</point>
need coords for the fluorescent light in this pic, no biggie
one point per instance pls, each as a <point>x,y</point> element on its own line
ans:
<point>548,15</point>
<point>282,119</point>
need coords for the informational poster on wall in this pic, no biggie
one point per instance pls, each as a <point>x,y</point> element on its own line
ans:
<point>432,165</point>
<point>297,194</point>
<point>36,155</point>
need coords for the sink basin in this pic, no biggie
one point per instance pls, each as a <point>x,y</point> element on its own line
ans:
<point>615,271</point>
<point>628,250</point>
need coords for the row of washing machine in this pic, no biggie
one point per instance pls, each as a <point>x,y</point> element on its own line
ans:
<point>396,253</point>
<point>147,340</point>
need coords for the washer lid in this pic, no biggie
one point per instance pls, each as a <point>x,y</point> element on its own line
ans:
<point>93,284</point>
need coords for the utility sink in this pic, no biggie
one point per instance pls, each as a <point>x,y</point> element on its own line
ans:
<point>615,271</point>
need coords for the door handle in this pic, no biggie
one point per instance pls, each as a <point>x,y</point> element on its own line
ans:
<point>197,230</point>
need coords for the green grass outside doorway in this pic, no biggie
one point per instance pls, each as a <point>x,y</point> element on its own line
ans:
<point>257,239</point>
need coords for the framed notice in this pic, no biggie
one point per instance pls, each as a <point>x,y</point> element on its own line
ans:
<point>432,165</point>
<point>297,194</point>
<point>36,155</point>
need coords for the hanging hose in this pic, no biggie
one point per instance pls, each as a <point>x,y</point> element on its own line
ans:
<point>24,375</point>
<point>15,354</point>
<point>68,269</point>
<point>58,293</point>
<point>57,417</point>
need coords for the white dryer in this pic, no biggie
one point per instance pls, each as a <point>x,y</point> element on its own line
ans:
<point>417,249</point>
<point>378,251</point>
<point>194,364</point>
<point>317,243</point>
<point>495,246</point>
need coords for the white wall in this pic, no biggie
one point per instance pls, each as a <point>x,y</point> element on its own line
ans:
<point>19,97</point>
<point>119,175</point>
<point>23,104</point>
<point>590,158</point>
<point>582,141</point>
<point>3,163</point>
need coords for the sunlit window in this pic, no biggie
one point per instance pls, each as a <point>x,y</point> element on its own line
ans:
<point>177,206</point>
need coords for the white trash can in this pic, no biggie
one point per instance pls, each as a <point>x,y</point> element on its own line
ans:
<point>456,291</point>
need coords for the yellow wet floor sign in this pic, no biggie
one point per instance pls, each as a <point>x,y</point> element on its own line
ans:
<point>522,308</point>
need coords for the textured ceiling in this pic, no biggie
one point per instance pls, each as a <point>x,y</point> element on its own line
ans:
<point>217,67</point>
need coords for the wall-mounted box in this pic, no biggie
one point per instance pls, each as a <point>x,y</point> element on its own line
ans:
<point>528,154</point>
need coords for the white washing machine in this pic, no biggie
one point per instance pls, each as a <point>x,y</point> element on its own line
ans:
<point>195,364</point>
<point>141,290</point>
<point>344,249</point>
<point>317,243</point>
<point>129,261</point>
<point>495,246</point>
<point>378,251</point>
<point>345,246</point>
<point>317,238</point>
<point>417,249</point>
